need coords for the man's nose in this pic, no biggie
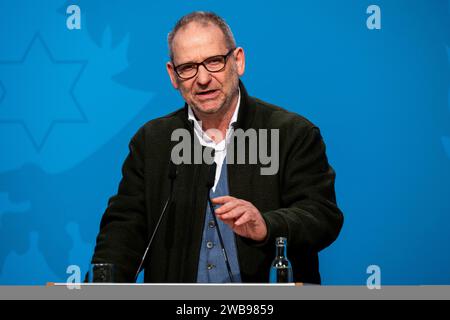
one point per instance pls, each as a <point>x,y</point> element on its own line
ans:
<point>203,76</point>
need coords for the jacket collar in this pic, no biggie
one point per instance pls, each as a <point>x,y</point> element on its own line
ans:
<point>246,111</point>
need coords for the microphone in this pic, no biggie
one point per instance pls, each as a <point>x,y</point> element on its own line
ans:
<point>172,175</point>
<point>209,185</point>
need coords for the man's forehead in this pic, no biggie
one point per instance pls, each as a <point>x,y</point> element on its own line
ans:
<point>196,41</point>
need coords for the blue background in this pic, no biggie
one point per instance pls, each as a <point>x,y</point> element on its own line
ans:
<point>70,100</point>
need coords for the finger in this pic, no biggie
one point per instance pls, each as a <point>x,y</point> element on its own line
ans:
<point>229,222</point>
<point>227,207</point>
<point>233,214</point>
<point>245,218</point>
<point>222,200</point>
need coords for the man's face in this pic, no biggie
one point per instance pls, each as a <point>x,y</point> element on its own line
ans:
<point>207,92</point>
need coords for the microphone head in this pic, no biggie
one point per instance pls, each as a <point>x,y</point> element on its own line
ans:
<point>211,176</point>
<point>172,171</point>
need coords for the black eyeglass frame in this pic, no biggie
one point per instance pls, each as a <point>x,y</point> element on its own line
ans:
<point>198,64</point>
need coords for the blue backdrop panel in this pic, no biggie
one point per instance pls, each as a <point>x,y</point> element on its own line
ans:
<point>70,100</point>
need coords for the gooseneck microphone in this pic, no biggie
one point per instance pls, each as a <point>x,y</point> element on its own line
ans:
<point>209,185</point>
<point>172,175</point>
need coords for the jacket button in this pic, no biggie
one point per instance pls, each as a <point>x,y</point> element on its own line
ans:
<point>210,266</point>
<point>212,224</point>
<point>209,245</point>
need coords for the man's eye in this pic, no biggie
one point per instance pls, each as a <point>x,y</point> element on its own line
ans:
<point>186,68</point>
<point>214,61</point>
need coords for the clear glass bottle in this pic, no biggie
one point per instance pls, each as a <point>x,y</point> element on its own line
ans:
<point>281,269</point>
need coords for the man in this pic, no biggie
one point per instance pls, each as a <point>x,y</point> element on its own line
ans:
<point>296,201</point>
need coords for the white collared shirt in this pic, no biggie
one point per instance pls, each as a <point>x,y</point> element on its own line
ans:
<point>220,149</point>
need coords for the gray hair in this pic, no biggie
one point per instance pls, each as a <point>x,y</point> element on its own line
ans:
<point>203,18</point>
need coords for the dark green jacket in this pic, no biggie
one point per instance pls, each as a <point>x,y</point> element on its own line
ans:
<point>298,202</point>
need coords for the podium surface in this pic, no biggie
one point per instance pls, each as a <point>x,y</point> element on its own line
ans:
<point>257,292</point>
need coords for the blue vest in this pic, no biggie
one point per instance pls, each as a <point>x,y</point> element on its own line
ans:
<point>211,264</point>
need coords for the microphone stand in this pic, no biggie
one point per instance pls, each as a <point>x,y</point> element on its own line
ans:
<point>213,212</point>
<point>172,176</point>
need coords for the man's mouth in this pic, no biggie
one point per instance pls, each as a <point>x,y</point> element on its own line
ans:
<point>208,94</point>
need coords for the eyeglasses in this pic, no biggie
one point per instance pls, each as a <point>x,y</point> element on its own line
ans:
<point>189,70</point>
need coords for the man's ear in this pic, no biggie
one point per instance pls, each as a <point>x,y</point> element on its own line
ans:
<point>240,61</point>
<point>172,75</point>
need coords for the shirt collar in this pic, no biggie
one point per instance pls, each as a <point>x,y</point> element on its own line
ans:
<point>199,130</point>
